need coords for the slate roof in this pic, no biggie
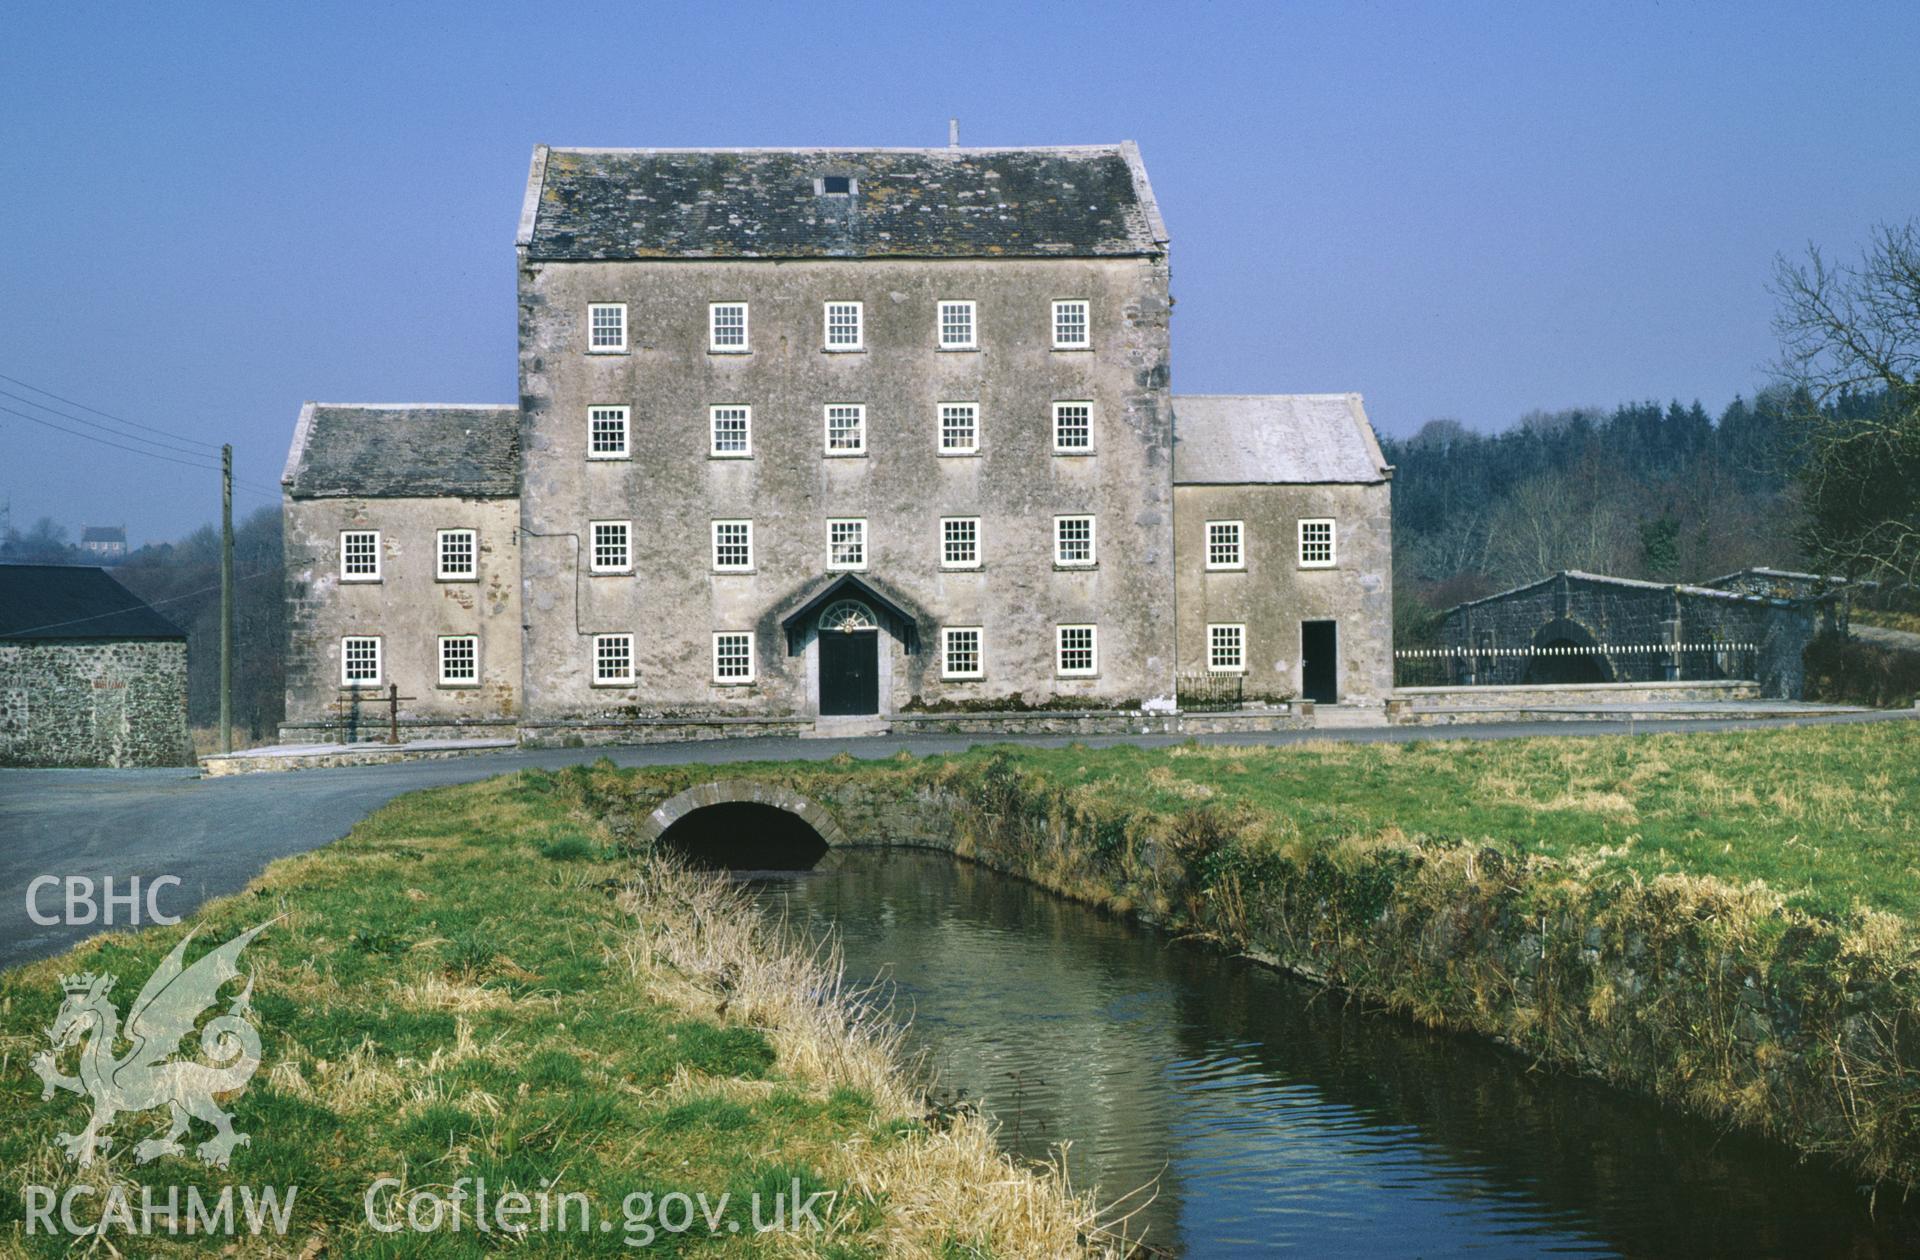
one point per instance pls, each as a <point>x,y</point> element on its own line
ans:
<point>69,601</point>
<point>1640,584</point>
<point>1282,439</point>
<point>1079,202</point>
<point>400,451</point>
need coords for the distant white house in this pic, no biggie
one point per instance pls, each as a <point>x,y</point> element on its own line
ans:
<point>106,543</point>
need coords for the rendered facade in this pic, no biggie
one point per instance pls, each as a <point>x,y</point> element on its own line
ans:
<point>833,433</point>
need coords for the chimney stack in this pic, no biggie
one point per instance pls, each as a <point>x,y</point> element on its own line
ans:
<point>953,133</point>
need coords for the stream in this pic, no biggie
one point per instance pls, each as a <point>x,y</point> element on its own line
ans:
<point>1271,1117</point>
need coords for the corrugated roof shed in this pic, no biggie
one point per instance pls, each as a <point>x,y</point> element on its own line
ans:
<point>1254,439</point>
<point>66,601</point>
<point>1091,201</point>
<point>397,451</point>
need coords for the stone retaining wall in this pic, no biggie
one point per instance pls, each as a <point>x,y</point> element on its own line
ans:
<point>670,730</point>
<point>1096,722</point>
<point>411,729</point>
<point>369,754</point>
<point>656,731</point>
<point>1577,695</point>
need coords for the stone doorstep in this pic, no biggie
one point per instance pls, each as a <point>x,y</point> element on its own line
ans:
<point>846,727</point>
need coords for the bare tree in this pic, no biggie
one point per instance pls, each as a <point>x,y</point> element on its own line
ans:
<point>1551,522</point>
<point>1850,339</point>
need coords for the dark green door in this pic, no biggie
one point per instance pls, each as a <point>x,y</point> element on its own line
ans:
<point>1319,662</point>
<point>849,672</point>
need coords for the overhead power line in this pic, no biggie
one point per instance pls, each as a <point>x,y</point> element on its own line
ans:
<point>116,445</point>
<point>165,445</point>
<point>254,486</point>
<point>213,447</point>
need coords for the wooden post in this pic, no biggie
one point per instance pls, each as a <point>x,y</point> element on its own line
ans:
<point>393,713</point>
<point>226,598</point>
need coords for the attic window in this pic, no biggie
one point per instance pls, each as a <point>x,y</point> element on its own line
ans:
<point>836,185</point>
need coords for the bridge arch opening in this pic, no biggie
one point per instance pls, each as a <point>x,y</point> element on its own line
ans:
<point>744,825</point>
<point>745,836</point>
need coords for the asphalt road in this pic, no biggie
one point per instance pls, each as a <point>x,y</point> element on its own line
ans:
<point>214,835</point>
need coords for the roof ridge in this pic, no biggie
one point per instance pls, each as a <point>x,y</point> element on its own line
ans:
<point>417,406</point>
<point>1113,146</point>
<point>1342,394</point>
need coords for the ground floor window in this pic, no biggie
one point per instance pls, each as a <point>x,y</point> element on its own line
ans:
<point>459,659</point>
<point>1076,650</point>
<point>960,655</point>
<point>360,660</point>
<point>613,660</point>
<point>1227,649</point>
<point>733,656</point>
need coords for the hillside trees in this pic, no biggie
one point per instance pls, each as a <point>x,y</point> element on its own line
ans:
<point>1651,491</point>
<point>183,579</point>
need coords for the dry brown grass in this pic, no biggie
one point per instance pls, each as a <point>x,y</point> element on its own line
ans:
<point>699,945</point>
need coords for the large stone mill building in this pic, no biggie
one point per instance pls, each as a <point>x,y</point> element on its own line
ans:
<point>818,433</point>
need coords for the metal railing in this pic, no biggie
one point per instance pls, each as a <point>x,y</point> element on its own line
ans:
<point>1563,663</point>
<point>1209,692</point>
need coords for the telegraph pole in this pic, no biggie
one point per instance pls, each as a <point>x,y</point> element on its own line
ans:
<point>226,598</point>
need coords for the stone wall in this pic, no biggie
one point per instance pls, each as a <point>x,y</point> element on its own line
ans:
<point>672,489</point>
<point>409,608</point>
<point>591,734</point>
<point>78,702</point>
<point>1573,695</point>
<point>1273,595</point>
<point>614,731</point>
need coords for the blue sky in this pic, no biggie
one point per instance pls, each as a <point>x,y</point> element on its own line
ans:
<point>211,213</point>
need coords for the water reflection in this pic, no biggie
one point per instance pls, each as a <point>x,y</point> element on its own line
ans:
<point>1277,1119</point>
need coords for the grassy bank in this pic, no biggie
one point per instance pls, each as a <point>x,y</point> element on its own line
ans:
<point>1726,922</point>
<point>478,984</point>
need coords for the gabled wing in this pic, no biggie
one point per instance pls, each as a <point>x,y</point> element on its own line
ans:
<point>171,1001</point>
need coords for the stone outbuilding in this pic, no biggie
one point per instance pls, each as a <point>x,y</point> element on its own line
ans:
<point>90,675</point>
<point>1575,627</point>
